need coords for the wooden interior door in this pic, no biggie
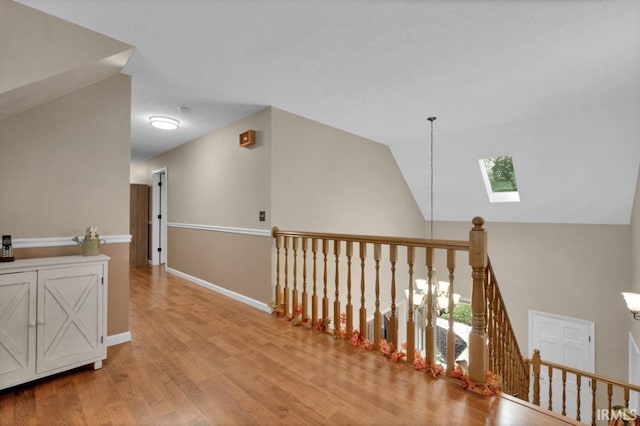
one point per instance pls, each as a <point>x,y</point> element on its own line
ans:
<point>139,224</point>
<point>69,316</point>
<point>17,327</point>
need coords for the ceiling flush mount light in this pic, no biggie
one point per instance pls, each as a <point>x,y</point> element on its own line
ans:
<point>163,122</point>
<point>633,304</point>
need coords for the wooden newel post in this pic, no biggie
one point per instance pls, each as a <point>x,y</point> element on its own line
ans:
<point>478,350</point>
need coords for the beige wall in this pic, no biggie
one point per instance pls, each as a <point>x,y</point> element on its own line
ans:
<point>237,262</point>
<point>68,163</point>
<point>68,167</point>
<point>327,180</point>
<point>305,175</point>
<point>214,182</point>
<point>634,326</point>
<point>572,270</point>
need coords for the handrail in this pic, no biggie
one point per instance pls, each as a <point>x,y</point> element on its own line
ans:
<point>376,239</point>
<point>536,362</point>
<point>330,255</point>
<point>505,357</point>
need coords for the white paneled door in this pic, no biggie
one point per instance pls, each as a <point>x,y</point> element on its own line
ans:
<point>570,342</point>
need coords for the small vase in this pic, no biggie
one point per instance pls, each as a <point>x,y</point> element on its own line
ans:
<point>90,247</point>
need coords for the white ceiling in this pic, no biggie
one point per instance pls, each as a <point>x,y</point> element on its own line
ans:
<point>555,84</point>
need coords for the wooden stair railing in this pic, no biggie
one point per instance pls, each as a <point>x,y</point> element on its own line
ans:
<point>505,357</point>
<point>617,392</point>
<point>383,278</point>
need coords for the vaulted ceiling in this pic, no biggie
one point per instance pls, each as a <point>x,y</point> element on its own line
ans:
<point>554,84</point>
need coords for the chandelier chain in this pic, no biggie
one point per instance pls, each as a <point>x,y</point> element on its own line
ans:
<point>431,119</point>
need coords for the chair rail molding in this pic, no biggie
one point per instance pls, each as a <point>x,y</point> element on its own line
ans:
<point>64,241</point>
<point>228,229</point>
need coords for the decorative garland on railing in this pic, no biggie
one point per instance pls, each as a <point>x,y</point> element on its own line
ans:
<point>357,339</point>
<point>490,387</point>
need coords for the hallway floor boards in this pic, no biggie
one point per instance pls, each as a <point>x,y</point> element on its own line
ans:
<point>199,358</point>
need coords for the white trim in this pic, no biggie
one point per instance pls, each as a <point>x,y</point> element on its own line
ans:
<point>116,339</point>
<point>232,294</point>
<point>232,230</point>
<point>159,226</point>
<point>64,241</point>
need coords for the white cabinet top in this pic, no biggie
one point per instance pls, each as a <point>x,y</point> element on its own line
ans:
<point>39,263</point>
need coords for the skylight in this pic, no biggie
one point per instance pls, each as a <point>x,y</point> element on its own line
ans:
<point>499,178</point>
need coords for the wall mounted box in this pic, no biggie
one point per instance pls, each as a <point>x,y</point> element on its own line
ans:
<point>247,138</point>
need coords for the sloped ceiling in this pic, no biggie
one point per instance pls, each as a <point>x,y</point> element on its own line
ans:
<point>44,57</point>
<point>555,84</point>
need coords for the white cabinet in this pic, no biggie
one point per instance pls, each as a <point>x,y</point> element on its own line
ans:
<point>17,327</point>
<point>53,316</point>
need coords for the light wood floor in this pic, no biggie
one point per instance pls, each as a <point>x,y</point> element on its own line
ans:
<point>199,358</point>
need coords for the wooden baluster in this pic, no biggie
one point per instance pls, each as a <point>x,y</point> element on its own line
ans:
<point>491,324</point>
<point>508,363</point>
<point>550,373</point>
<point>393,321</point>
<point>578,385</point>
<point>336,302</point>
<point>295,300</point>
<point>377,320</point>
<point>504,337</point>
<point>451,342</point>
<point>305,315</point>
<point>478,334</point>
<point>512,364</point>
<point>626,397</point>
<point>594,385</point>
<point>524,391</point>
<point>524,382</point>
<point>411,327</point>
<point>429,333</point>
<point>363,310</point>
<point>609,396</point>
<point>349,327</point>
<point>314,296</point>
<point>278,288</point>
<point>499,330</point>
<point>564,392</point>
<point>503,333</point>
<point>286,276</point>
<point>325,299</point>
<point>536,376</point>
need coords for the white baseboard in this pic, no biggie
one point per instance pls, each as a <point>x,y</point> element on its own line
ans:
<point>116,339</point>
<point>232,294</point>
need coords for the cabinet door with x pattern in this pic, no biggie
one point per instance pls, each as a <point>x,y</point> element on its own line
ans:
<point>70,317</point>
